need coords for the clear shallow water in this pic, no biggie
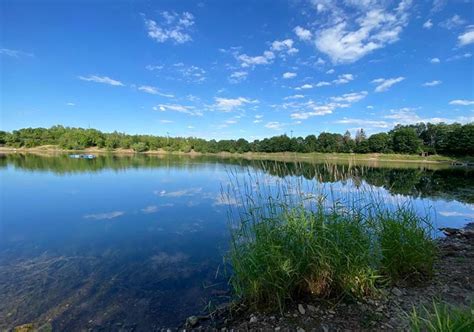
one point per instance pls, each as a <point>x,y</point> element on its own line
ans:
<point>137,242</point>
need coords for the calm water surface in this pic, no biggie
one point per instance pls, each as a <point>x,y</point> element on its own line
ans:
<point>138,242</point>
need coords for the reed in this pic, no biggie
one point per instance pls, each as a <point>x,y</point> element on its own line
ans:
<point>292,238</point>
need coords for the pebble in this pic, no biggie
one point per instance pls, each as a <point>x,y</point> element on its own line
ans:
<point>397,292</point>
<point>253,319</point>
<point>301,309</point>
<point>312,308</point>
<point>299,329</point>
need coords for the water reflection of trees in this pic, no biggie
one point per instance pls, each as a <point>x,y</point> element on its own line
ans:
<point>416,181</point>
<point>448,183</point>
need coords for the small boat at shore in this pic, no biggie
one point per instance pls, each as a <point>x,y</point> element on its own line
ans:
<point>82,156</point>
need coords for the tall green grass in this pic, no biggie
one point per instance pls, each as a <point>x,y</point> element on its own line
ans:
<point>442,317</point>
<point>291,238</point>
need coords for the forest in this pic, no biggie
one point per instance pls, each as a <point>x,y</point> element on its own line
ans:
<point>445,139</point>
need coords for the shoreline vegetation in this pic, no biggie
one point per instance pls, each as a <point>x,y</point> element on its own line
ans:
<point>303,257</point>
<point>277,156</point>
<point>420,142</point>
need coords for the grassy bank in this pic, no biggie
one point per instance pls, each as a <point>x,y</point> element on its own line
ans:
<point>282,156</point>
<point>291,241</point>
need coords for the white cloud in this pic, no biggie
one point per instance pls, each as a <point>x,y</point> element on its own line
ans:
<point>289,75</point>
<point>190,73</point>
<point>428,24</point>
<point>150,209</point>
<point>435,60</point>
<point>309,109</point>
<point>461,102</point>
<point>70,104</point>
<point>322,83</point>
<point>154,91</point>
<point>294,97</point>
<point>453,22</point>
<point>14,53</point>
<point>284,46</point>
<point>105,215</point>
<point>238,76</point>
<point>230,104</point>
<point>166,121</point>
<point>274,125</point>
<point>351,97</point>
<point>407,115</point>
<point>383,84</point>
<point>375,28</point>
<point>364,123</point>
<point>101,79</point>
<point>330,71</point>
<point>251,61</point>
<point>304,87</point>
<point>343,79</point>
<point>467,37</point>
<point>302,33</point>
<point>466,55</point>
<point>177,108</point>
<point>432,83</point>
<point>175,27</point>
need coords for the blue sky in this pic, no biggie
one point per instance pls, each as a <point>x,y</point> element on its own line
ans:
<point>229,69</point>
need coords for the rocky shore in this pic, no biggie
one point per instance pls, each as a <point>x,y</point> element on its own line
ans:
<point>453,283</point>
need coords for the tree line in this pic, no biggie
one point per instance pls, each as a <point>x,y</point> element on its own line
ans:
<point>442,138</point>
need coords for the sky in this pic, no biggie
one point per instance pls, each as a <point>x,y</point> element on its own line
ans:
<point>230,69</point>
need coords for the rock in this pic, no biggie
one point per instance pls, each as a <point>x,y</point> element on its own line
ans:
<point>277,329</point>
<point>312,308</point>
<point>192,321</point>
<point>299,329</point>
<point>253,319</point>
<point>397,292</point>
<point>301,309</point>
<point>324,327</point>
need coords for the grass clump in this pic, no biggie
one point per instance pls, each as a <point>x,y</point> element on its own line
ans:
<point>289,242</point>
<point>442,317</point>
<point>407,249</point>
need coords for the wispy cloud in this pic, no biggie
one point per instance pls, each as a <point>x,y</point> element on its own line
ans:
<point>435,60</point>
<point>231,104</point>
<point>452,22</point>
<point>383,84</point>
<point>101,79</point>
<point>173,26</point>
<point>238,76</point>
<point>428,24</point>
<point>191,110</point>
<point>104,215</point>
<point>15,53</point>
<point>461,102</point>
<point>311,108</point>
<point>467,37</point>
<point>432,83</point>
<point>288,75</point>
<point>154,91</point>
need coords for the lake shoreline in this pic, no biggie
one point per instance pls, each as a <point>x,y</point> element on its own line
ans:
<point>278,156</point>
<point>452,284</point>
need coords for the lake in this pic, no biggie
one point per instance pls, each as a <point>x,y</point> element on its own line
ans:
<point>137,242</point>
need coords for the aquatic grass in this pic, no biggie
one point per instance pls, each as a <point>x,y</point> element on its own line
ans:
<point>407,249</point>
<point>442,317</point>
<point>292,238</point>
